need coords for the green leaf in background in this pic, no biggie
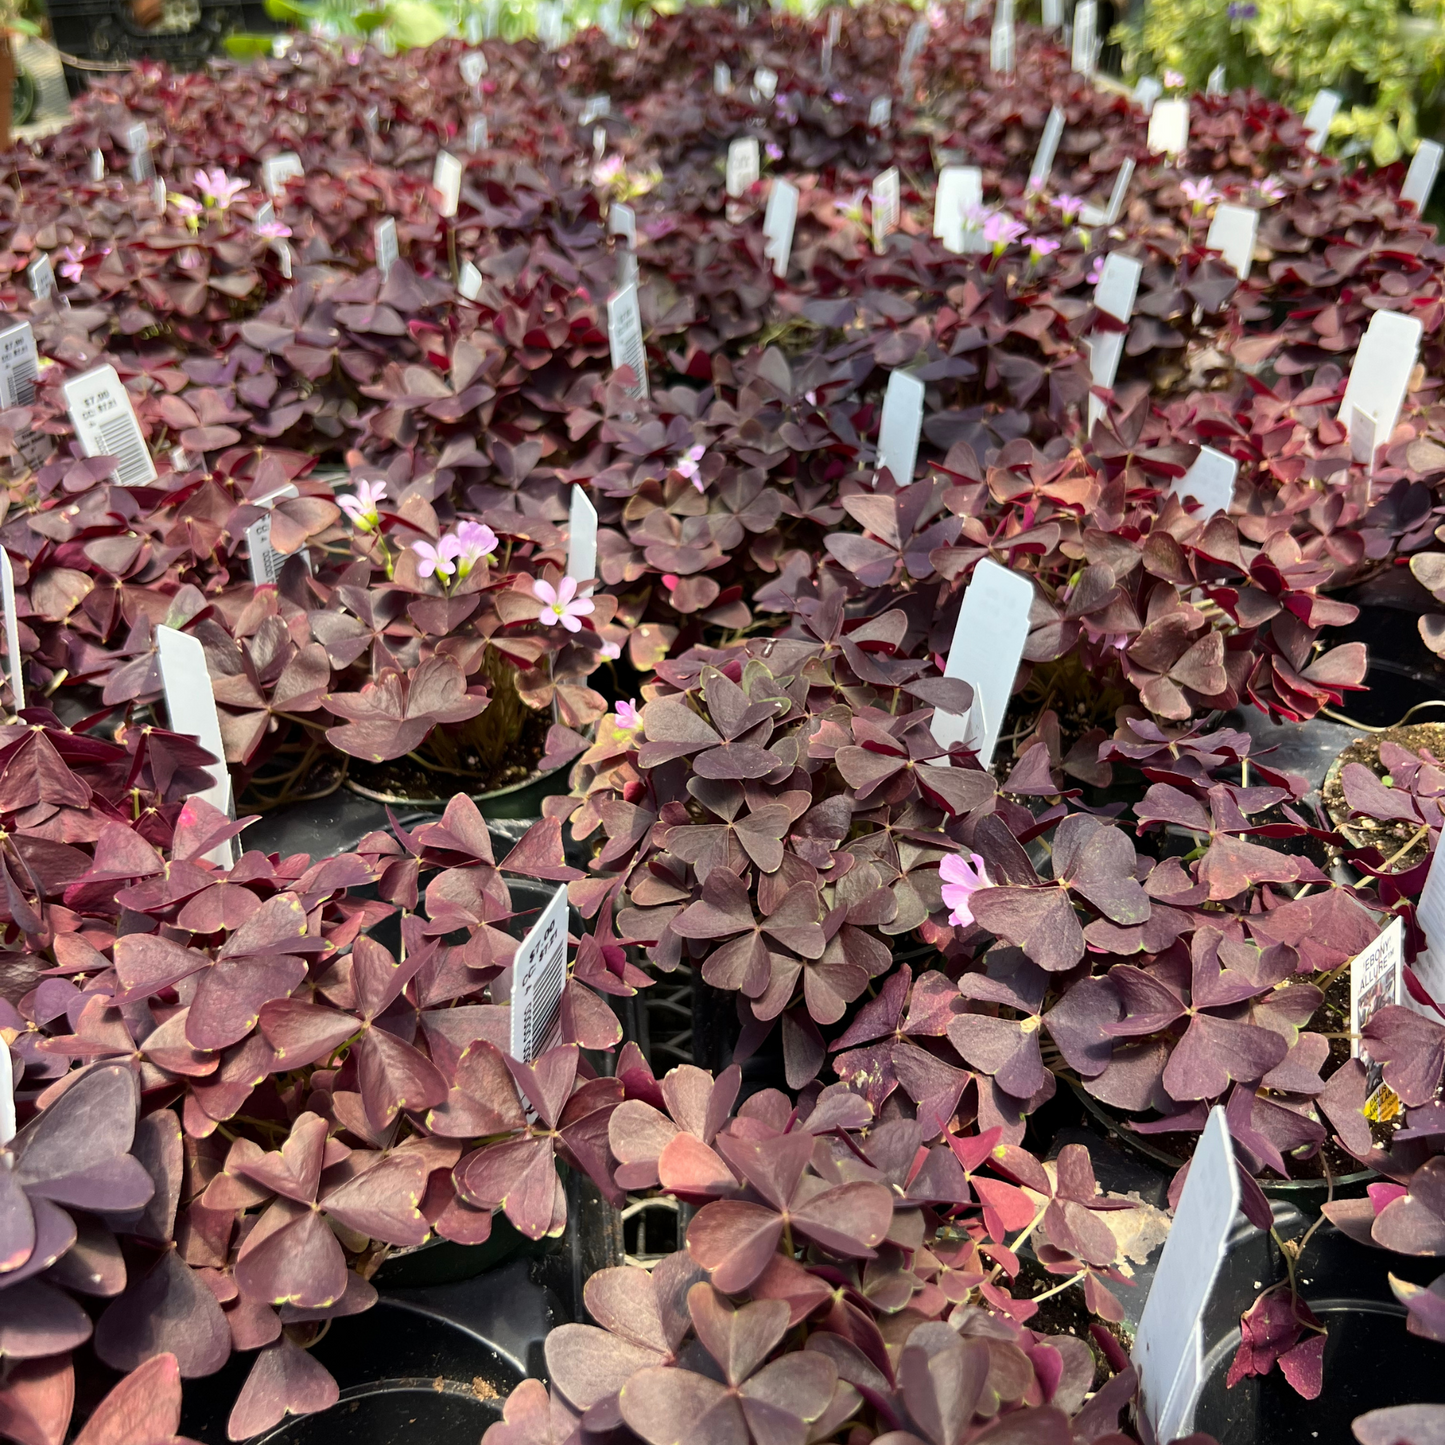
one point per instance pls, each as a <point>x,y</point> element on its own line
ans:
<point>415,23</point>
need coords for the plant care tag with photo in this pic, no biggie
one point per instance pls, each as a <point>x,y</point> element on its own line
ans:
<point>277,170</point>
<point>880,112</point>
<point>1169,127</point>
<point>384,236</point>
<point>13,661</point>
<point>1378,380</point>
<point>106,426</point>
<point>744,165</point>
<point>1319,117</point>
<point>1086,22</point>
<point>959,196</point>
<point>191,710</point>
<point>886,204</point>
<point>1048,148</point>
<point>1210,482</point>
<point>1420,178</point>
<point>539,974</point>
<point>778,224</point>
<point>1377,978</point>
<point>582,539</point>
<point>446,181</point>
<point>624,337</point>
<point>1232,233</point>
<point>1169,1346</point>
<point>988,643</point>
<point>900,426</point>
<point>19,367</point>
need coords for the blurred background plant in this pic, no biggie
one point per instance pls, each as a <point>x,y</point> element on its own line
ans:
<point>1386,61</point>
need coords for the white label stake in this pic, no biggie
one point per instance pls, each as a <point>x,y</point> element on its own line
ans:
<point>959,194</point>
<point>1169,127</point>
<point>1429,966</point>
<point>1001,48</point>
<point>582,540</point>
<point>1420,179</point>
<point>539,973</point>
<point>886,205</point>
<point>384,235</point>
<point>478,138</point>
<point>1169,1347</point>
<point>40,278</point>
<point>988,641</point>
<point>900,425</point>
<point>1093,216</point>
<point>1381,373</point>
<point>266,562</point>
<point>744,165</point>
<point>12,645</point>
<point>624,336</point>
<point>1319,118</point>
<point>1048,149</point>
<point>446,179</point>
<point>1146,93</point>
<point>7,1096</point>
<point>1086,20</point>
<point>1232,233</point>
<point>1114,295</point>
<point>778,224</point>
<point>277,170</point>
<point>1210,482</point>
<point>106,426</point>
<point>191,709</point>
<point>19,366</point>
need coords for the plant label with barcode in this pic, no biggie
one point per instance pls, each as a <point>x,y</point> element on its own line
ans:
<point>478,137</point>
<point>886,201</point>
<point>13,661</point>
<point>765,82</point>
<point>778,224</point>
<point>142,167</point>
<point>722,79</point>
<point>1169,127</point>
<point>1319,117</point>
<point>1380,375</point>
<point>106,426</point>
<point>265,561</point>
<point>19,368</point>
<point>473,66</point>
<point>1420,178</point>
<point>277,170</point>
<point>469,282</point>
<point>1209,482</point>
<point>1048,148</point>
<point>1232,233</point>
<point>384,238</point>
<point>900,426</point>
<point>1093,216</point>
<point>1169,1345</point>
<point>958,197</point>
<point>446,181</point>
<point>539,974</point>
<point>622,221</point>
<point>988,643</point>
<point>744,165</point>
<point>191,710</point>
<point>582,539</point>
<point>624,337</point>
<point>1086,23</point>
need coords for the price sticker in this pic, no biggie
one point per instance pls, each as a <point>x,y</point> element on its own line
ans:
<point>624,337</point>
<point>744,165</point>
<point>539,974</point>
<point>106,426</point>
<point>277,170</point>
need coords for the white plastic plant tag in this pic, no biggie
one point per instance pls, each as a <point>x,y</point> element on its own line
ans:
<point>472,27</point>
<point>1429,966</point>
<point>582,539</point>
<point>473,66</point>
<point>1001,48</point>
<point>957,202</point>
<point>97,166</point>
<point>1093,216</point>
<point>988,641</point>
<point>19,367</point>
<point>835,25</point>
<point>1319,117</point>
<point>191,710</point>
<point>12,648</point>
<point>886,202</point>
<point>744,165</point>
<point>283,258</point>
<point>1086,24</point>
<point>159,196</point>
<point>1380,374</point>
<point>722,79</point>
<point>900,425</point>
<point>1210,482</point>
<point>624,336</point>
<point>778,224</point>
<point>7,1096</point>
<point>912,49</point>
<point>539,973</point>
<point>1146,93</point>
<point>266,562</point>
<point>880,112</point>
<point>1048,148</point>
<point>469,282</point>
<point>384,238</point>
<point>371,119</point>
<point>106,426</point>
<point>622,221</point>
<point>1053,14</point>
<point>595,108</point>
<point>446,180</point>
<point>765,82</point>
<point>1105,350</point>
<point>1215,85</point>
<point>142,167</point>
<point>277,170</point>
<point>1420,178</point>
<point>599,141</point>
<point>477,137</point>
<point>40,277</point>
<point>1169,1347</point>
<point>1364,438</point>
<point>1169,127</point>
<point>1377,978</point>
<point>137,138</point>
<point>1232,233</point>
<point>1118,285</point>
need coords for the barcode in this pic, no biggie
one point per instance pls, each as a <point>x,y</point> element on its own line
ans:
<point>120,438</point>
<point>540,1017</point>
<point>22,382</point>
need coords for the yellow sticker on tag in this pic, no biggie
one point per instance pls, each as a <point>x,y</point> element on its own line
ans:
<point>1382,1106</point>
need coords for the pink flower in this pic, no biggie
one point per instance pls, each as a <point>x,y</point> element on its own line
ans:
<point>774,150</point>
<point>1173,80</point>
<point>1096,271</point>
<point>561,604</point>
<point>1200,193</point>
<point>1039,247</point>
<point>1068,206</point>
<point>70,267</point>
<point>361,507</point>
<point>1270,189</point>
<point>438,559</point>
<point>962,878</point>
<point>688,465</point>
<point>217,188</point>
<point>605,172</point>
<point>1002,230</point>
<point>188,208</point>
<point>627,715</point>
<point>272,230</point>
<point>475,540</point>
<point>670,580</point>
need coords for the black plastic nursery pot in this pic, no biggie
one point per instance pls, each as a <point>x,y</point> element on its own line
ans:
<point>518,800</point>
<point>1371,1360</point>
